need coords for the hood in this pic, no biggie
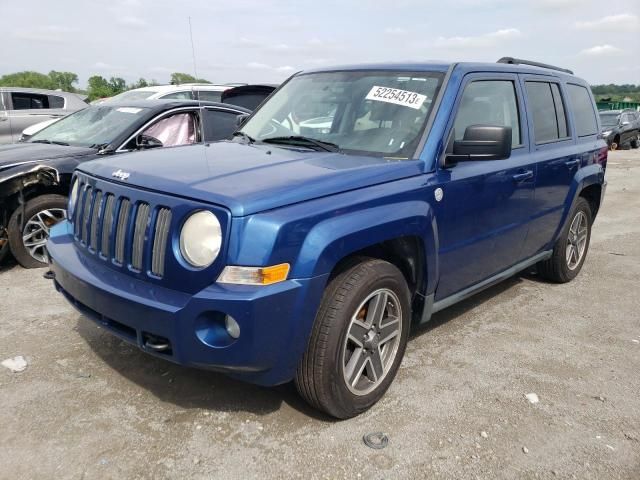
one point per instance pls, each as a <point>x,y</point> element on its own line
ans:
<point>250,178</point>
<point>21,153</point>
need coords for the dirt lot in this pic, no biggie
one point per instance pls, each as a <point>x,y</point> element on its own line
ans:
<point>90,406</point>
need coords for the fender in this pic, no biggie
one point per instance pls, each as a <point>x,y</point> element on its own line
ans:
<point>584,177</point>
<point>27,175</point>
<point>333,239</point>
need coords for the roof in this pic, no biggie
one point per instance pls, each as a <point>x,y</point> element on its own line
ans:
<point>442,66</point>
<point>39,90</point>
<point>183,86</point>
<point>161,104</point>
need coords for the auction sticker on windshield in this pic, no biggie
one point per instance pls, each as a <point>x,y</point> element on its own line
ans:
<point>399,97</point>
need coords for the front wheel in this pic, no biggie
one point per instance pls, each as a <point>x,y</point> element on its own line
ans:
<point>635,143</point>
<point>570,250</point>
<point>28,233</point>
<point>358,339</point>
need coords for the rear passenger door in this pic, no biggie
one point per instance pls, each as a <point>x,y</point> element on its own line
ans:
<point>483,214</point>
<point>28,108</point>
<point>558,141</point>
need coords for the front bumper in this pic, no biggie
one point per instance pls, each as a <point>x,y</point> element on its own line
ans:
<point>274,320</point>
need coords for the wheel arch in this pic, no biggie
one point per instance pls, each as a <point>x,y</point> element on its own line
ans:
<point>21,186</point>
<point>404,234</point>
<point>586,184</point>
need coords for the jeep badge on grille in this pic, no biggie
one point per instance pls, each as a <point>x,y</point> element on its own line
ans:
<point>121,175</point>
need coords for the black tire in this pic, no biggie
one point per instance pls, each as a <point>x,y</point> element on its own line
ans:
<point>615,145</point>
<point>320,376</point>
<point>556,268</point>
<point>635,143</point>
<point>17,220</point>
<point>4,244</point>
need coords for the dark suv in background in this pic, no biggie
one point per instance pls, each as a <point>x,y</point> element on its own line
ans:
<point>620,128</point>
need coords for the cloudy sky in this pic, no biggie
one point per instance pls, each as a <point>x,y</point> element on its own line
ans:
<point>267,40</point>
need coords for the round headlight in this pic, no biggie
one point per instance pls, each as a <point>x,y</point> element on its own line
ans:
<point>73,197</point>
<point>201,239</point>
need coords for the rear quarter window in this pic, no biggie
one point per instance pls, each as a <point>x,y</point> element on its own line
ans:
<point>56,101</point>
<point>583,111</point>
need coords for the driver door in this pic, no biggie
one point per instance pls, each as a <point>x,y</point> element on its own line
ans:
<point>483,214</point>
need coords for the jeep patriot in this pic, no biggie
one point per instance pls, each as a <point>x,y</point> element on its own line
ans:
<point>354,203</point>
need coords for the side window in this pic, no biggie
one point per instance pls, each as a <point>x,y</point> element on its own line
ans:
<point>56,101</point>
<point>488,102</point>
<point>29,101</point>
<point>549,124</point>
<point>179,95</point>
<point>178,129</point>
<point>218,124</point>
<point>208,96</point>
<point>583,112</point>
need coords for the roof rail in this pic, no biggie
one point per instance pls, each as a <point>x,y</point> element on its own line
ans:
<point>519,61</point>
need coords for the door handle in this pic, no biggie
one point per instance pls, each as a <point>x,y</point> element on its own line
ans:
<point>572,163</point>
<point>521,177</point>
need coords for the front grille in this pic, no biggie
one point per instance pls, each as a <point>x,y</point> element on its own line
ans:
<point>125,232</point>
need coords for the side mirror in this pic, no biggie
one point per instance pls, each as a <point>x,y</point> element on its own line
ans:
<point>481,142</point>
<point>241,119</point>
<point>625,123</point>
<point>144,142</point>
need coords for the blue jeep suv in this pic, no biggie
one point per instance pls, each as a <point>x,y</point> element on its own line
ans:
<point>354,203</point>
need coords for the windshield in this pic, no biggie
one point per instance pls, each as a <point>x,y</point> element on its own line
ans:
<point>91,127</point>
<point>609,119</point>
<point>375,113</point>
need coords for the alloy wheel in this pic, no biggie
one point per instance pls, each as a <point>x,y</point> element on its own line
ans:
<point>36,231</point>
<point>372,341</point>
<point>577,240</point>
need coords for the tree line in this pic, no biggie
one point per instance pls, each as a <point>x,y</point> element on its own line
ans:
<point>97,85</point>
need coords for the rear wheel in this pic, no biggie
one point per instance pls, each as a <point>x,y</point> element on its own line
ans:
<point>635,143</point>
<point>571,248</point>
<point>615,144</point>
<point>28,233</point>
<point>358,339</point>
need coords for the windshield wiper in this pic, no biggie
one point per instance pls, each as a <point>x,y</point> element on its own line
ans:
<point>306,141</point>
<point>51,142</point>
<point>240,133</point>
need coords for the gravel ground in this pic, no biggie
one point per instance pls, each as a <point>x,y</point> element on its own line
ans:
<point>90,406</point>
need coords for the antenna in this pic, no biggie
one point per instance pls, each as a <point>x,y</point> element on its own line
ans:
<point>195,74</point>
<point>193,50</point>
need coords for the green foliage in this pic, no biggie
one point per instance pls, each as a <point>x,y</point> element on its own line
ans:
<point>100,87</point>
<point>63,80</point>
<point>177,78</point>
<point>27,80</point>
<point>616,93</point>
<point>53,81</point>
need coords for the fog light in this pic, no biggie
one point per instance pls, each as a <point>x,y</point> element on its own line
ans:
<point>233,329</point>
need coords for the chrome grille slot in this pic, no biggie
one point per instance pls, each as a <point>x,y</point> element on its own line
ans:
<point>163,222</point>
<point>107,224</point>
<point>97,205</point>
<point>126,231</point>
<point>121,230</point>
<point>86,211</point>
<point>78,210</point>
<point>142,218</point>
